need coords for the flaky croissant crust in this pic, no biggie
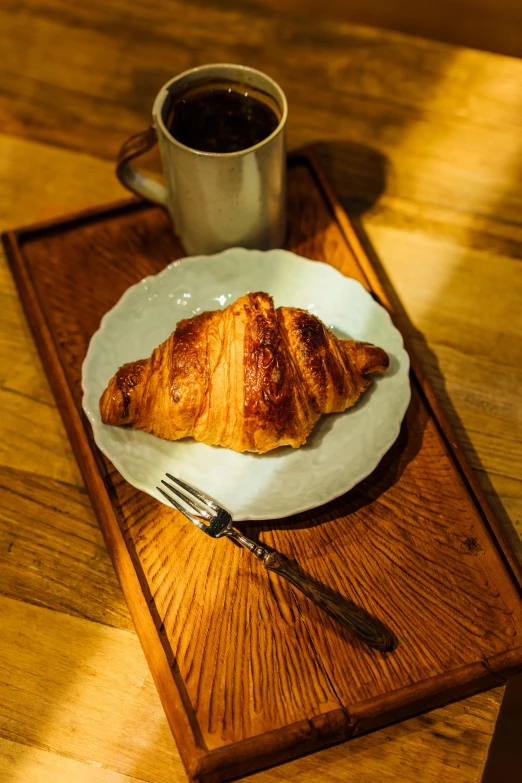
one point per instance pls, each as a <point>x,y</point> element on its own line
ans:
<point>249,378</point>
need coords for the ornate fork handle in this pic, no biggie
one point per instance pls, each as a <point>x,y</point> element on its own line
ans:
<point>362,624</point>
<point>216,522</point>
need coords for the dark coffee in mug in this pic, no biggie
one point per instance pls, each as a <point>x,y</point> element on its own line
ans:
<point>217,200</point>
<point>222,116</point>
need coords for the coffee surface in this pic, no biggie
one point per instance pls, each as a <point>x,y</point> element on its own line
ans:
<point>221,118</point>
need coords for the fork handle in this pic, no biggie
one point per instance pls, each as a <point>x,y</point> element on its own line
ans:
<point>362,624</point>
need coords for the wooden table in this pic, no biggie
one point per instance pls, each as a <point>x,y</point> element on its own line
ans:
<point>424,141</point>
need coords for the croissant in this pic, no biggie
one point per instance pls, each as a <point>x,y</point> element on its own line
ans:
<point>249,378</point>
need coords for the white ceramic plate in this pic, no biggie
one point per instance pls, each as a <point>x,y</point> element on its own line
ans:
<point>342,449</point>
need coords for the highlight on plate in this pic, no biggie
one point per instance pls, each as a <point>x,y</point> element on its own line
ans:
<point>248,378</point>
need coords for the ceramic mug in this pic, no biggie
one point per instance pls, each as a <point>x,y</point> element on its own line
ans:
<point>215,200</point>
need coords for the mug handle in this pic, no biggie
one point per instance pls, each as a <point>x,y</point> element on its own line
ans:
<point>131,178</point>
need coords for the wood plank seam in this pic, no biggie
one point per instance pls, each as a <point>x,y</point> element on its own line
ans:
<point>316,731</point>
<point>445,429</point>
<point>72,756</point>
<point>45,342</point>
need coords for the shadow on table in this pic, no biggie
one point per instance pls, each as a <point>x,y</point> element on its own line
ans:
<point>366,174</point>
<point>366,184</point>
<point>503,761</point>
<point>431,367</point>
<point>360,175</point>
<point>385,476</point>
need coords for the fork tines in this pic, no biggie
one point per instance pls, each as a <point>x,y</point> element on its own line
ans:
<point>197,507</point>
<point>197,494</point>
<point>214,520</point>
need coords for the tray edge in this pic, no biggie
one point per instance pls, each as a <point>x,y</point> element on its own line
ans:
<point>202,765</point>
<point>403,324</point>
<point>161,670</point>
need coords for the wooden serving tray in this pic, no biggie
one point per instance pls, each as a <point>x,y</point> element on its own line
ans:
<point>249,672</point>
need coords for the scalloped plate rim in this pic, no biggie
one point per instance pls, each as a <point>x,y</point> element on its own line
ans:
<point>253,516</point>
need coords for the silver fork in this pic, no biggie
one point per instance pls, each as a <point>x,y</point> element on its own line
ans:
<point>216,522</point>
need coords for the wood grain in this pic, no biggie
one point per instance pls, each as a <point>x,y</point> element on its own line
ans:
<point>449,125</point>
<point>42,654</point>
<point>273,669</point>
<point>358,621</point>
<point>70,712</point>
<point>424,137</point>
<point>19,763</point>
<point>55,555</point>
<point>481,24</point>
